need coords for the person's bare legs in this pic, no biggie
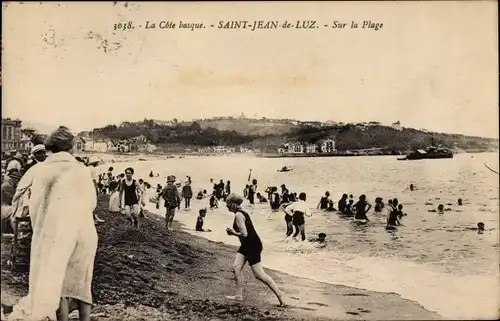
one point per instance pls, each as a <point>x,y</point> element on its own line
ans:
<point>136,209</point>
<point>239,263</point>
<point>167,217</point>
<point>171,218</point>
<point>128,214</point>
<point>63,312</point>
<point>84,310</point>
<point>260,274</point>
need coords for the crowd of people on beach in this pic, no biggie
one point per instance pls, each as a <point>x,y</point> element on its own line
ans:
<point>58,192</point>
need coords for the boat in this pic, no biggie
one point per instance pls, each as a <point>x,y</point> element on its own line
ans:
<point>430,152</point>
<point>285,169</point>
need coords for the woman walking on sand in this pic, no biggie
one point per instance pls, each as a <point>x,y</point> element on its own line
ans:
<point>130,196</point>
<point>250,250</point>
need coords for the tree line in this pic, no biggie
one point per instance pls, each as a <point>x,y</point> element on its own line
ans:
<point>347,136</point>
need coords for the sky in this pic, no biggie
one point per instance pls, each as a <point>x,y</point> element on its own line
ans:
<point>432,65</point>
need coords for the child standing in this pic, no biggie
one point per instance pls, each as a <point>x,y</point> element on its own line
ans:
<point>114,199</point>
<point>213,201</point>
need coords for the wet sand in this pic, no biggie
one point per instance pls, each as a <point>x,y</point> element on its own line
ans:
<point>154,274</point>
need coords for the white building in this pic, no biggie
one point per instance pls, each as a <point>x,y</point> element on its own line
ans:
<point>328,146</point>
<point>219,149</point>
<point>150,148</point>
<point>397,125</point>
<point>94,146</point>
<point>311,148</point>
<point>294,148</point>
<point>27,145</point>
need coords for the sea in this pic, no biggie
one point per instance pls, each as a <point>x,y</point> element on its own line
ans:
<point>437,260</point>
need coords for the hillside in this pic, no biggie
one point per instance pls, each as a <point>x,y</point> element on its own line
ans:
<point>269,135</point>
<point>247,126</point>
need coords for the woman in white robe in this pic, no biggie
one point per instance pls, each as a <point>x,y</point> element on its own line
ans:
<point>64,240</point>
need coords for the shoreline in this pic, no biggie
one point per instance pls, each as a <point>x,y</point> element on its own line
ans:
<point>153,274</point>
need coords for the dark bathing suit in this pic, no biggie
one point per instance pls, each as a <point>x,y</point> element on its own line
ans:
<point>298,218</point>
<point>130,194</point>
<point>251,246</point>
<point>324,203</point>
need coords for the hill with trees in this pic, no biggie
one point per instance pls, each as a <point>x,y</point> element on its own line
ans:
<point>270,134</point>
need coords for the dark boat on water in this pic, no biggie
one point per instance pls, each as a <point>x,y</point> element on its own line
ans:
<point>431,152</point>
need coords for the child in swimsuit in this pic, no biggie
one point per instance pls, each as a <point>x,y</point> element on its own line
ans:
<point>200,221</point>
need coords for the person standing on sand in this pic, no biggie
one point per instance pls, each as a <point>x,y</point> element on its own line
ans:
<point>130,195</point>
<point>172,200</point>
<point>92,164</point>
<point>250,250</point>
<point>64,240</point>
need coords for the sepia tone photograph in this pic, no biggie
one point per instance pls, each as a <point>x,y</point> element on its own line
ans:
<point>250,161</point>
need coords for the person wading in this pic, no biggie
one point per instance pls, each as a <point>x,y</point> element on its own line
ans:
<point>172,201</point>
<point>250,250</point>
<point>187,193</point>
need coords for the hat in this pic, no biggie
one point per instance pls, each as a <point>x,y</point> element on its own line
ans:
<point>170,178</point>
<point>234,198</point>
<point>15,174</point>
<point>18,155</point>
<point>38,148</point>
<point>93,159</point>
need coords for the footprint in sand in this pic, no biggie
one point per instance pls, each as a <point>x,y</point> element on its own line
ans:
<point>318,304</point>
<point>295,298</point>
<point>353,313</point>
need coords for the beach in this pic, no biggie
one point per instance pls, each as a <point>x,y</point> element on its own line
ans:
<point>434,266</point>
<point>153,274</point>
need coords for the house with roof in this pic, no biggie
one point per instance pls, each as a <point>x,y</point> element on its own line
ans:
<point>328,145</point>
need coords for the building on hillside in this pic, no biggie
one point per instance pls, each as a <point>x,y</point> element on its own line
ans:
<point>205,150</point>
<point>328,146</point>
<point>219,149</point>
<point>11,134</point>
<point>397,125</point>
<point>95,146</point>
<point>26,144</point>
<point>294,148</point>
<point>311,148</point>
<point>79,145</point>
<point>88,145</point>
<point>100,147</point>
<point>140,139</point>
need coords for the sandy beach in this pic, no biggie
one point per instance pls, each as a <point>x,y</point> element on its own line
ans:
<point>152,274</point>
